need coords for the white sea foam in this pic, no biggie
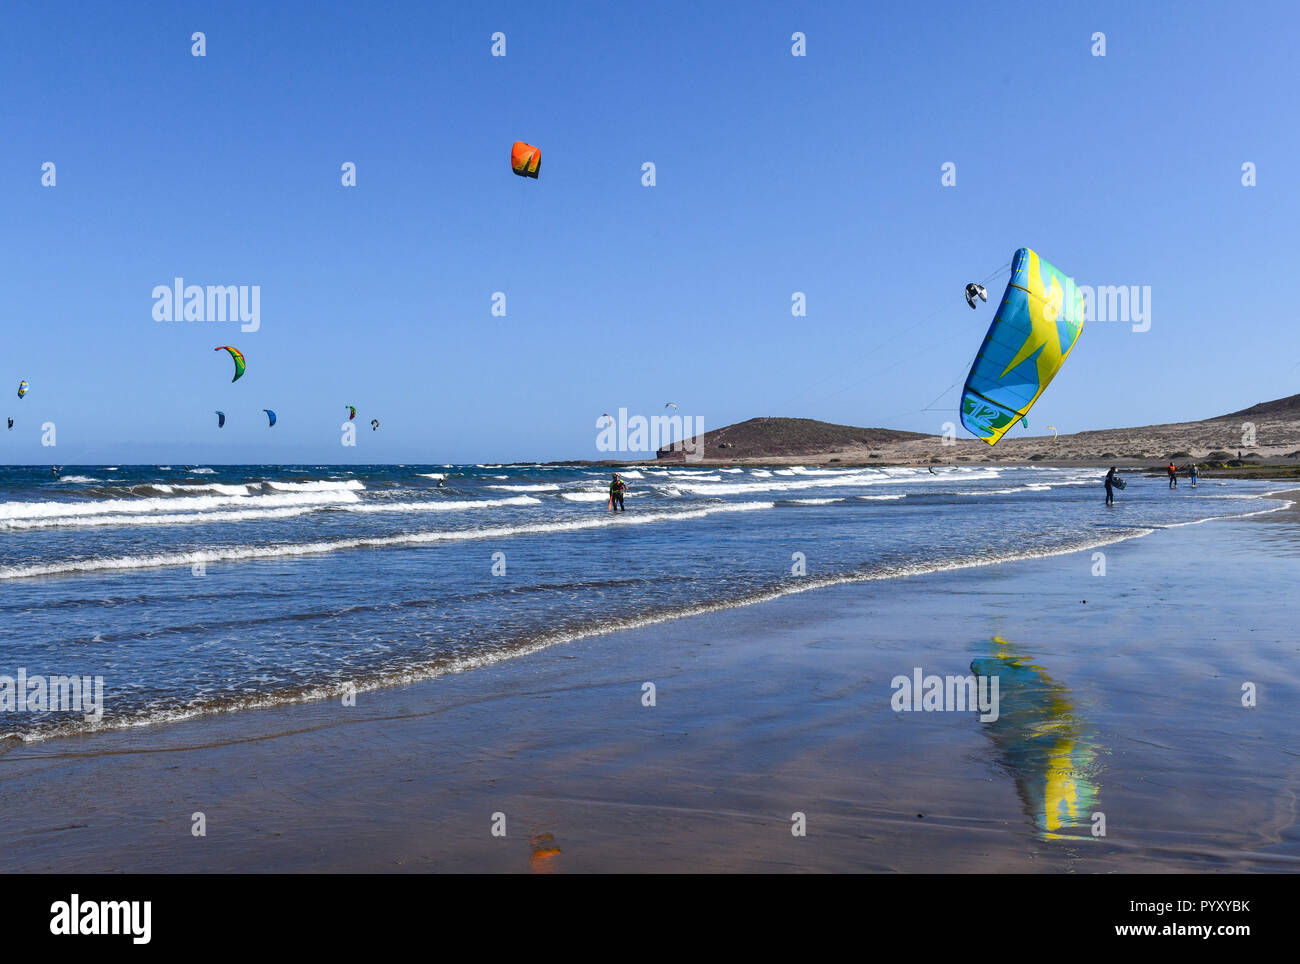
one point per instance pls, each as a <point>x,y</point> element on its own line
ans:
<point>244,553</point>
<point>293,506</point>
<point>1032,487</point>
<point>331,485</point>
<point>162,519</point>
<point>155,505</point>
<point>449,505</point>
<point>217,488</point>
<point>716,487</point>
<point>798,479</point>
<point>801,470</point>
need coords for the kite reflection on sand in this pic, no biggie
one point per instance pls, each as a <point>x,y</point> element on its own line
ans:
<point>1048,750</point>
<point>544,851</point>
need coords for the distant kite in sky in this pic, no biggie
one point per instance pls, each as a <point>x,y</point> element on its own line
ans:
<point>352,411</point>
<point>11,424</point>
<point>270,417</point>
<point>671,405</point>
<point>374,425</point>
<point>525,160</point>
<point>238,357</point>
<point>221,419</point>
<point>974,291</point>
<point>1053,428</point>
<point>1036,325</point>
<point>22,388</point>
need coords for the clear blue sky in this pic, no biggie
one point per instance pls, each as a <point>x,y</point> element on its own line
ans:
<point>775,174</point>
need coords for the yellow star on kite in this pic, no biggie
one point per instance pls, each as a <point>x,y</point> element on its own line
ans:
<point>1043,312</point>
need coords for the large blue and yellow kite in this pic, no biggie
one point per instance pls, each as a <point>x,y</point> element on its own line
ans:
<point>1038,322</point>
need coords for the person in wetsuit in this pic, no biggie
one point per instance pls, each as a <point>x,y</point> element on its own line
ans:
<point>1173,476</point>
<point>1110,486</point>
<point>617,489</point>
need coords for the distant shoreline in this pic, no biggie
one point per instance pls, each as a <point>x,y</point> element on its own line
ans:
<point>1280,470</point>
<point>1264,469</point>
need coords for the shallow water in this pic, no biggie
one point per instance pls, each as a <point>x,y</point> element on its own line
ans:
<point>192,590</point>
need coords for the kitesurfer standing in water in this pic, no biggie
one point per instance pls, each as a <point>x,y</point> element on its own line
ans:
<point>1110,486</point>
<point>617,489</point>
<point>1173,476</point>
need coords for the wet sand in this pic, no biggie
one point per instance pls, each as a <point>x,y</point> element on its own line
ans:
<point>761,712</point>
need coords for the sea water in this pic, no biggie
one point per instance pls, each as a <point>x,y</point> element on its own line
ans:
<point>188,590</point>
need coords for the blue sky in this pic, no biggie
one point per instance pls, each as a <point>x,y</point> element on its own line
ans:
<point>775,174</point>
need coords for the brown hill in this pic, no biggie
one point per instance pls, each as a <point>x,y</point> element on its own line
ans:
<point>1267,430</point>
<point>1288,407</point>
<point>778,438</point>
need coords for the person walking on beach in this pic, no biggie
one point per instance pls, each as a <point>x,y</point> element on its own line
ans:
<point>617,489</point>
<point>1173,476</point>
<point>1111,476</point>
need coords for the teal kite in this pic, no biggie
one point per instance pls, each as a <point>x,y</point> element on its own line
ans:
<point>1037,323</point>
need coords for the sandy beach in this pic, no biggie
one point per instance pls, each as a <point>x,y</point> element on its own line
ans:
<point>761,712</point>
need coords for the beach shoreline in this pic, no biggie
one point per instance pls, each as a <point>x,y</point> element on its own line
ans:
<point>761,712</point>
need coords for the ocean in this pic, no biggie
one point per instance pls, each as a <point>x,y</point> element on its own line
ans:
<point>192,590</point>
